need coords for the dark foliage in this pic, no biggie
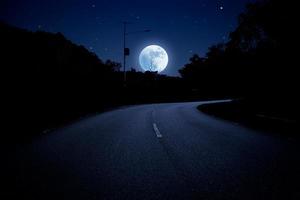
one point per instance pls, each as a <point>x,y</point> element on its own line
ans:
<point>49,79</point>
<point>258,62</point>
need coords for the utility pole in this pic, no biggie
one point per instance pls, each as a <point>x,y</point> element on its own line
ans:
<point>124,52</point>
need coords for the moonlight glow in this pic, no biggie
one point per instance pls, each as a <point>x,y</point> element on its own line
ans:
<point>153,58</point>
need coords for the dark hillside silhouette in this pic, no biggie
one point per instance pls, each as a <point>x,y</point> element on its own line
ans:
<point>50,79</point>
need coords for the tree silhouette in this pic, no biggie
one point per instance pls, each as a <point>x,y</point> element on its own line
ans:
<point>258,62</point>
<point>52,79</point>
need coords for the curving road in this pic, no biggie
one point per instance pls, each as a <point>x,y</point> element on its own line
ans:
<point>158,151</point>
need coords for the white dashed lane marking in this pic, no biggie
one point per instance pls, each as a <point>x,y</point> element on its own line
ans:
<point>156,130</point>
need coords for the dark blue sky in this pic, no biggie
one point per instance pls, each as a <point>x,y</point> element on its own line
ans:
<point>182,27</point>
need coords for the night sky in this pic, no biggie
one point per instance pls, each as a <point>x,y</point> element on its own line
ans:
<point>182,27</point>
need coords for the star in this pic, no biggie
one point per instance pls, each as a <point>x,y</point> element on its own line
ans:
<point>221,7</point>
<point>93,6</point>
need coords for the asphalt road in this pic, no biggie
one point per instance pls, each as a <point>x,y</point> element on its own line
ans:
<point>158,151</point>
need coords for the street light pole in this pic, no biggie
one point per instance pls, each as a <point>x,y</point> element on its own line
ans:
<point>124,55</point>
<point>126,51</point>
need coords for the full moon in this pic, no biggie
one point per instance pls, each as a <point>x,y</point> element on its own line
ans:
<point>153,58</point>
